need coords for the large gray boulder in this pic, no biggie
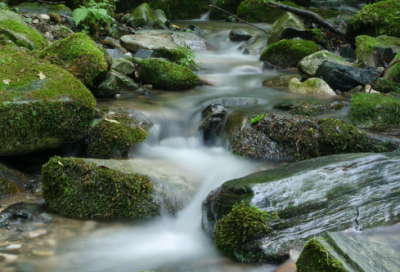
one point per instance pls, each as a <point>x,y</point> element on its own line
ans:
<point>333,193</point>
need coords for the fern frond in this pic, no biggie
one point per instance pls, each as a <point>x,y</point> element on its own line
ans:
<point>80,14</point>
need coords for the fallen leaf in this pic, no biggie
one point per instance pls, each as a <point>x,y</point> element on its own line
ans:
<point>23,70</point>
<point>6,81</point>
<point>112,121</point>
<point>60,163</point>
<point>41,76</point>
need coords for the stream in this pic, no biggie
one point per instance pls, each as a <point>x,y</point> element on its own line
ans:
<point>171,244</point>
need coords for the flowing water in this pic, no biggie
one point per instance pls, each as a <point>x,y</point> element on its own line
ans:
<point>170,244</point>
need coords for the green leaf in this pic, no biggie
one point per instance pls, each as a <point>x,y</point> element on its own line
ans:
<point>256,119</point>
<point>80,14</point>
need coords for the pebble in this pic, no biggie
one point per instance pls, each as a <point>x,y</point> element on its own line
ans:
<point>43,253</point>
<point>36,233</point>
<point>14,246</point>
<point>8,257</point>
<point>35,21</point>
<point>44,17</point>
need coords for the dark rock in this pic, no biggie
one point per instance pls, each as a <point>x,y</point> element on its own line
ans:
<point>347,52</point>
<point>333,193</point>
<point>338,252</point>
<point>303,3</point>
<point>268,66</point>
<point>254,46</point>
<point>116,53</point>
<point>314,35</point>
<point>385,86</point>
<point>113,84</point>
<point>11,181</point>
<point>195,29</point>
<point>211,120</point>
<point>237,35</point>
<point>344,77</point>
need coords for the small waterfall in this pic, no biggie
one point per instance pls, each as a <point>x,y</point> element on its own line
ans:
<point>205,16</point>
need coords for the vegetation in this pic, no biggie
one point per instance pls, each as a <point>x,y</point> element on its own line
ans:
<point>242,224</point>
<point>366,45</point>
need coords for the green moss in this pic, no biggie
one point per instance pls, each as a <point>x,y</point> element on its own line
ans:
<point>74,4</point>
<point>181,9</point>
<point>166,75</point>
<point>115,134</point>
<point>55,109</point>
<point>306,109</point>
<point>4,6</point>
<point>385,86</point>
<point>38,41</point>
<point>241,225</point>
<point>288,53</point>
<point>366,45</point>
<point>375,111</point>
<point>79,55</point>
<point>174,55</point>
<point>316,258</point>
<point>376,19</point>
<point>77,189</point>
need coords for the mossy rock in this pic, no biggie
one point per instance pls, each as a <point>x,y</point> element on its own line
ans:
<point>310,109</point>
<point>14,28</point>
<point>38,114</point>
<point>393,73</point>
<point>165,75</point>
<point>181,9</point>
<point>297,137</point>
<point>114,83</point>
<point>385,86</point>
<point>11,181</point>
<point>280,81</point>
<point>376,19</point>
<point>160,15</point>
<point>31,9</point>
<point>368,53</point>
<point>287,20</point>
<point>4,6</point>
<point>90,188</point>
<point>123,66</point>
<point>375,111</point>
<point>79,55</point>
<point>315,86</point>
<point>288,53</point>
<point>255,46</point>
<point>146,13</point>
<point>112,136</point>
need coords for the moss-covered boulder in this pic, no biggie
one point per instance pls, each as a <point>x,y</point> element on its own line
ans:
<point>393,73</point>
<point>375,111</point>
<point>314,86</point>
<point>228,5</point>
<point>116,132</point>
<point>312,108</point>
<point>385,86</point>
<point>314,35</point>
<point>114,83</point>
<point>309,65</point>
<point>90,188</point>
<point>142,15</point>
<point>287,20</point>
<point>280,81</point>
<point>255,46</point>
<point>376,19</point>
<point>41,105</point>
<point>288,53</point>
<point>310,198</point>
<point>181,9</point>
<point>11,181</point>
<point>123,66</point>
<point>165,75</point>
<point>297,137</point>
<point>12,27</point>
<point>376,52</point>
<point>335,251</point>
<point>79,55</point>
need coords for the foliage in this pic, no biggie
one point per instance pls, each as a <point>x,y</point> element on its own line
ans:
<point>256,119</point>
<point>189,59</point>
<point>241,225</point>
<point>93,18</point>
<point>3,6</point>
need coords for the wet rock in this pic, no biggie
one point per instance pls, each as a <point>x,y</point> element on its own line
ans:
<point>280,81</point>
<point>114,83</point>
<point>43,253</point>
<point>144,54</point>
<point>332,193</point>
<point>211,120</point>
<point>160,25</point>
<point>29,106</point>
<point>376,52</point>
<point>165,75</point>
<point>307,109</point>
<point>344,78</point>
<point>393,73</point>
<point>237,35</point>
<point>160,15</point>
<point>31,9</point>
<point>36,233</point>
<point>255,46</point>
<point>116,132</point>
<point>297,137</point>
<point>375,111</point>
<point>142,15</point>
<point>334,251</point>
<point>239,101</point>
<point>116,53</point>
<point>114,188</point>
<point>11,181</point>
<point>79,55</point>
<point>123,66</point>
<point>268,66</point>
<point>287,20</point>
<point>314,86</point>
<point>111,43</point>
<point>308,66</point>
<point>288,53</point>
<point>314,35</point>
<point>197,30</point>
<point>8,257</point>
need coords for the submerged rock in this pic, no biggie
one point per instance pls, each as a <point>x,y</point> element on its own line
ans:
<point>41,105</point>
<point>166,75</point>
<point>375,111</point>
<point>338,252</point>
<point>212,117</point>
<point>287,20</point>
<point>90,188</point>
<point>333,193</point>
<point>237,35</point>
<point>255,46</point>
<point>310,86</point>
<point>116,132</point>
<point>288,53</point>
<point>297,137</point>
<point>79,55</point>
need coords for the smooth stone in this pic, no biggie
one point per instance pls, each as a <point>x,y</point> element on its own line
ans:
<point>287,20</point>
<point>123,66</point>
<point>315,86</point>
<point>280,81</point>
<point>144,54</point>
<point>237,35</point>
<point>254,46</point>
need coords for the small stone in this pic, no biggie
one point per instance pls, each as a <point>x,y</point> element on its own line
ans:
<point>14,246</point>
<point>36,233</point>
<point>8,257</point>
<point>43,253</point>
<point>44,17</point>
<point>368,89</point>
<point>35,21</point>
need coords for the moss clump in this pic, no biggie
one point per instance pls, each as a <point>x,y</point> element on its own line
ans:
<point>181,9</point>
<point>77,189</point>
<point>306,109</point>
<point>38,114</point>
<point>8,187</point>
<point>366,45</point>
<point>316,258</point>
<point>116,133</point>
<point>241,225</point>
<point>375,111</point>
<point>385,86</point>
<point>288,53</point>
<point>376,19</point>
<point>166,75</point>
<point>3,6</point>
<point>32,39</point>
<point>79,55</point>
<point>11,181</point>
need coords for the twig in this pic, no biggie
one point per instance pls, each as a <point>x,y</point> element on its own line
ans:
<point>380,74</point>
<point>311,15</point>
<point>240,20</point>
